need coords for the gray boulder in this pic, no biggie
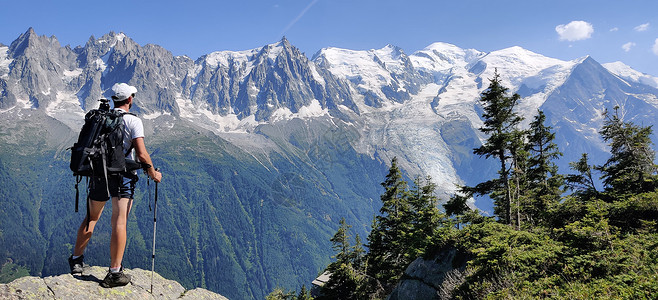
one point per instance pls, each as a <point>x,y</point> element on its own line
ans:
<point>432,277</point>
<point>86,286</point>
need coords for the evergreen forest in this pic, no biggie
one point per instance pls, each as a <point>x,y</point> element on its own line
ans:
<point>590,232</point>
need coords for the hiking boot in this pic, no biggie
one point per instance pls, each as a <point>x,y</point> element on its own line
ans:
<point>115,279</point>
<point>77,265</point>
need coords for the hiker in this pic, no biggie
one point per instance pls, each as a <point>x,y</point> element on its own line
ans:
<point>121,188</point>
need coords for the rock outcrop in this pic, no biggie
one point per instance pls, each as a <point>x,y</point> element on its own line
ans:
<point>432,277</point>
<point>86,286</point>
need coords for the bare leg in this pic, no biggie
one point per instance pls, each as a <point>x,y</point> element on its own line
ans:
<point>120,210</point>
<point>85,232</point>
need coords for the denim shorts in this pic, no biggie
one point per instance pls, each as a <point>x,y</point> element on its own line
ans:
<point>119,186</point>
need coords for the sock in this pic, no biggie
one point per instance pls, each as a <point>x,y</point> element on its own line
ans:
<point>74,257</point>
<point>115,270</point>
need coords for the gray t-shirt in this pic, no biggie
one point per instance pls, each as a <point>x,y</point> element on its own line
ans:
<point>133,128</point>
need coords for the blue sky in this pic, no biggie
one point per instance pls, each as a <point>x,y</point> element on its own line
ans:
<point>607,30</point>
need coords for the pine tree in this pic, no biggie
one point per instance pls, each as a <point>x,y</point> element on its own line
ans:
<point>387,256</point>
<point>280,294</point>
<point>404,228</point>
<point>583,182</point>
<point>500,123</point>
<point>456,205</point>
<point>425,216</point>
<point>346,271</point>
<point>544,183</point>
<point>357,255</point>
<point>518,182</point>
<point>630,168</point>
<point>304,294</point>
<point>341,244</point>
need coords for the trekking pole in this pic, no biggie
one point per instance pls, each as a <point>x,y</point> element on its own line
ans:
<point>155,212</point>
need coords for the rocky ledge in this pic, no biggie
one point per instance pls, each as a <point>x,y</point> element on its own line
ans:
<point>87,286</point>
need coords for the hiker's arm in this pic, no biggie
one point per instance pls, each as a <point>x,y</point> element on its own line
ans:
<point>144,157</point>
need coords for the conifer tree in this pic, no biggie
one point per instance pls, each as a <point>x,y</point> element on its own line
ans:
<point>544,183</point>
<point>280,294</point>
<point>425,215</point>
<point>456,205</point>
<point>304,294</point>
<point>346,272</point>
<point>500,124</point>
<point>583,182</point>
<point>340,242</point>
<point>518,182</point>
<point>358,255</point>
<point>387,256</point>
<point>630,168</point>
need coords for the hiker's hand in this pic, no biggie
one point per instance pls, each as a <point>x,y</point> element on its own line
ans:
<point>157,176</point>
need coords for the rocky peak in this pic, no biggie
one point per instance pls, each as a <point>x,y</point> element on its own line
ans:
<point>30,40</point>
<point>282,50</point>
<point>23,42</point>
<point>37,65</point>
<point>86,286</point>
<point>285,45</point>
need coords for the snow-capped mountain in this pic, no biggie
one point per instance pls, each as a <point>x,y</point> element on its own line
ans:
<point>283,134</point>
<point>400,103</point>
<point>380,77</point>
<point>447,83</point>
<point>627,73</point>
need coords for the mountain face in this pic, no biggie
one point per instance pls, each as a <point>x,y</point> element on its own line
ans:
<point>265,150</point>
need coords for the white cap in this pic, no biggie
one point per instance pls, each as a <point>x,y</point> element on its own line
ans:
<point>122,91</point>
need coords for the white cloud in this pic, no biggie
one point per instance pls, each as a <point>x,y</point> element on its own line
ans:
<point>655,47</point>
<point>575,31</point>
<point>627,47</point>
<point>614,29</point>
<point>643,27</point>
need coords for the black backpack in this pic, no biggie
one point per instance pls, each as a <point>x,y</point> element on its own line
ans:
<point>99,151</point>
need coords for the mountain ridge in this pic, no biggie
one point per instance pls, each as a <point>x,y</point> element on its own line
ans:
<point>237,91</point>
<point>125,44</point>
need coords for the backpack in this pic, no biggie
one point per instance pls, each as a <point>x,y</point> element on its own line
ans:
<point>99,151</point>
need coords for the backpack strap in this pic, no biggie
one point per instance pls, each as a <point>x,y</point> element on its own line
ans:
<point>78,179</point>
<point>123,113</point>
<point>107,184</point>
<point>130,149</point>
<point>88,217</point>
